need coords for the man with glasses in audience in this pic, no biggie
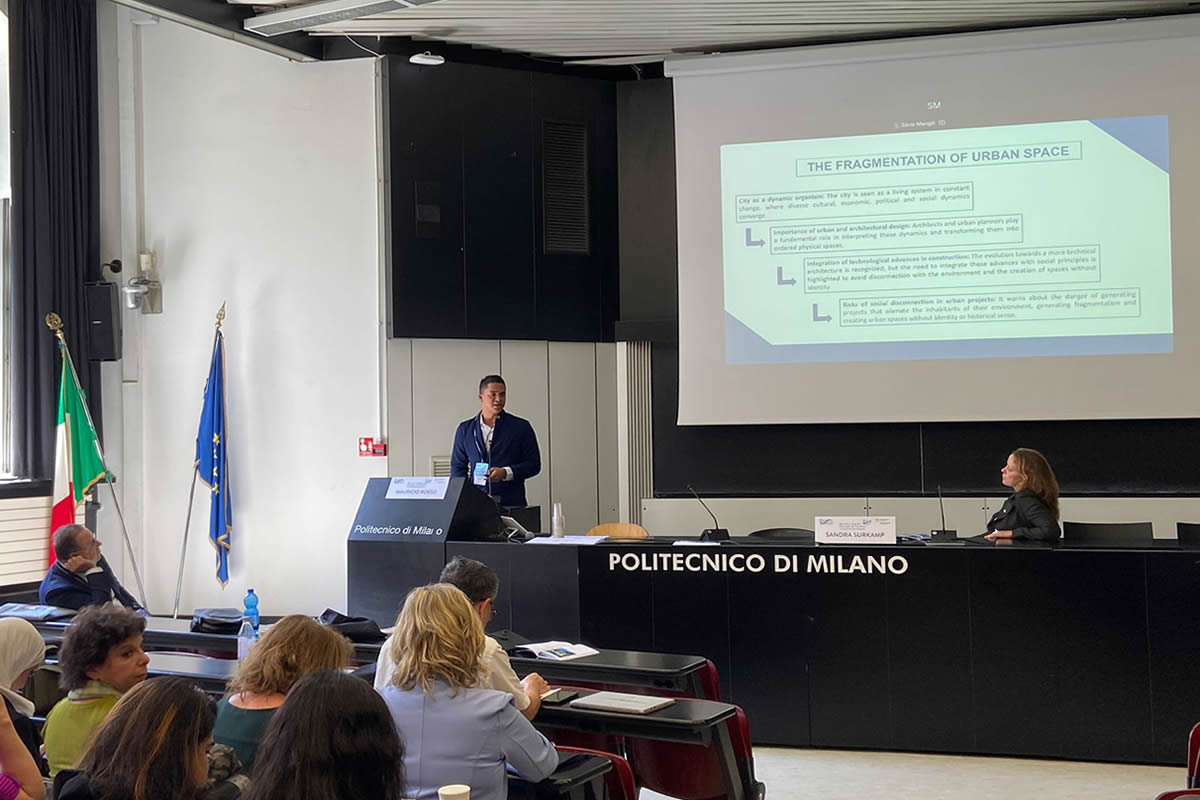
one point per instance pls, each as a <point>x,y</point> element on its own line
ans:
<point>81,576</point>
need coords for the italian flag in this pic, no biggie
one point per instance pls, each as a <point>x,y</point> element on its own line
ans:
<point>77,464</point>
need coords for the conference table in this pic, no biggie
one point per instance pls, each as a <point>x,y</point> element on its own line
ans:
<point>663,671</point>
<point>1065,651</point>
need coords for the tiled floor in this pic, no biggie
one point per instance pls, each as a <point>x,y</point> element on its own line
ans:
<point>842,775</point>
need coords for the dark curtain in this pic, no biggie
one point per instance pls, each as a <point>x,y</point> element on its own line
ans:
<point>55,219</point>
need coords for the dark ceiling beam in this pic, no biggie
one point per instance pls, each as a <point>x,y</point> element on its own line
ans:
<point>226,20</point>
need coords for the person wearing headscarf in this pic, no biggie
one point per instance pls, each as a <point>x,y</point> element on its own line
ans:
<point>21,652</point>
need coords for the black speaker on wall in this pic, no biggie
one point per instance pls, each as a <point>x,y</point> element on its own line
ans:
<point>102,302</point>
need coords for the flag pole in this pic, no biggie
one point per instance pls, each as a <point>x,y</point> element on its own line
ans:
<point>183,548</point>
<point>187,523</point>
<point>54,322</point>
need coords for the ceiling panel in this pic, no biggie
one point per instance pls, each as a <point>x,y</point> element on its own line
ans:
<point>629,29</point>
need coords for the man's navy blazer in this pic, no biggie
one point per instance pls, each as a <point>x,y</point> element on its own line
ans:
<point>514,445</point>
<point>68,590</point>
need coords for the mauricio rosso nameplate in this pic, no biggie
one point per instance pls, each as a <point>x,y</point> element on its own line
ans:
<point>855,530</point>
<point>419,488</point>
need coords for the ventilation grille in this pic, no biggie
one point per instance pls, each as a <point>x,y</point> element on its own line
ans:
<point>564,187</point>
<point>641,429</point>
<point>439,466</point>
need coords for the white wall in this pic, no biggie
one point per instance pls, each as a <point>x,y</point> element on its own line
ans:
<point>567,391</point>
<point>253,180</point>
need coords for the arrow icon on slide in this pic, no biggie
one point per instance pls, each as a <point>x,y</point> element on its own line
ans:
<point>751,242</point>
<point>779,277</point>
<point>819,317</point>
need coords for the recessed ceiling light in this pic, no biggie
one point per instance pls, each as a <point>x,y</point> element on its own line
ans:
<point>427,59</point>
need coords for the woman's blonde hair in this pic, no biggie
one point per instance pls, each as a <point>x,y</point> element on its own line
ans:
<point>438,635</point>
<point>1037,476</point>
<point>290,649</point>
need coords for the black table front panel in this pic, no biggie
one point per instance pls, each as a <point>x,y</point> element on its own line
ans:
<point>1059,652</point>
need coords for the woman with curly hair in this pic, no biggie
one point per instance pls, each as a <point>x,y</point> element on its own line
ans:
<point>101,659</point>
<point>455,733</point>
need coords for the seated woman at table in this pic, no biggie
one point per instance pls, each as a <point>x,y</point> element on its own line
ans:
<point>101,658</point>
<point>153,746</point>
<point>454,732</point>
<point>290,649</point>
<point>1031,512</point>
<point>21,652</point>
<point>332,739</point>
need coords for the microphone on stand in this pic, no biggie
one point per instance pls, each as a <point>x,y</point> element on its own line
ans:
<point>943,533</point>
<point>716,533</point>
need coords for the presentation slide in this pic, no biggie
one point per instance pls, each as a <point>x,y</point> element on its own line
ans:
<point>973,227</point>
<point>1045,239</point>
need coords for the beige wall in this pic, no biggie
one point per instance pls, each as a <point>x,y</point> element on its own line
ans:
<point>567,391</point>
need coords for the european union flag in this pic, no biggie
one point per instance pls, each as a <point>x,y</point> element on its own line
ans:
<point>211,458</point>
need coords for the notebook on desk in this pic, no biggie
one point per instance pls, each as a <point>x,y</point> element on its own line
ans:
<point>622,703</point>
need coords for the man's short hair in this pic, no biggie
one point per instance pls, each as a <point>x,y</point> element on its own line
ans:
<point>66,540</point>
<point>91,635</point>
<point>475,579</point>
<point>483,384</point>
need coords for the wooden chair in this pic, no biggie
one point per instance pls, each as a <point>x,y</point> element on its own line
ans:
<point>619,530</point>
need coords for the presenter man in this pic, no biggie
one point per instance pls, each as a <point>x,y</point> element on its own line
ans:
<point>496,451</point>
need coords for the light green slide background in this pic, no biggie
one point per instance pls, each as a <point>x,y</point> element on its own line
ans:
<point>1105,204</point>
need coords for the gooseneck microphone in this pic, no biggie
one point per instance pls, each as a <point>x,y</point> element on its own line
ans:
<point>943,533</point>
<point>716,533</point>
<point>942,506</point>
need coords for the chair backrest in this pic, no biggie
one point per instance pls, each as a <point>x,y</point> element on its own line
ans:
<point>1107,532</point>
<point>1177,794</point>
<point>619,783</point>
<point>619,530</point>
<point>1188,533</point>
<point>691,771</point>
<point>783,534</point>
<point>1193,758</point>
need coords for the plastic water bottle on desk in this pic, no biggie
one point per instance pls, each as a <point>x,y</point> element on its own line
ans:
<point>250,611</point>
<point>246,638</point>
<point>558,525</point>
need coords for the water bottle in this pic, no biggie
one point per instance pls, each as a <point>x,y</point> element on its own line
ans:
<point>246,638</point>
<point>558,525</point>
<point>250,601</point>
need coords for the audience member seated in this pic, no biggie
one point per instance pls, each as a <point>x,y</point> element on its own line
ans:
<point>481,585</point>
<point>101,658</point>
<point>289,650</point>
<point>21,652</point>
<point>153,746</point>
<point>453,731</point>
<point>19,775</point>
<point>333,739</point>
<point>81,576</point>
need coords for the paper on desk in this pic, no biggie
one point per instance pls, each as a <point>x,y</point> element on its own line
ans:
<point>567,540</point>
<point>559,651</point>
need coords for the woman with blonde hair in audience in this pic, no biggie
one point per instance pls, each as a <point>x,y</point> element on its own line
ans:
<point>152,746</point>
<point>454,732</point>
<point>290,649</point>
<point>21,652</point>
